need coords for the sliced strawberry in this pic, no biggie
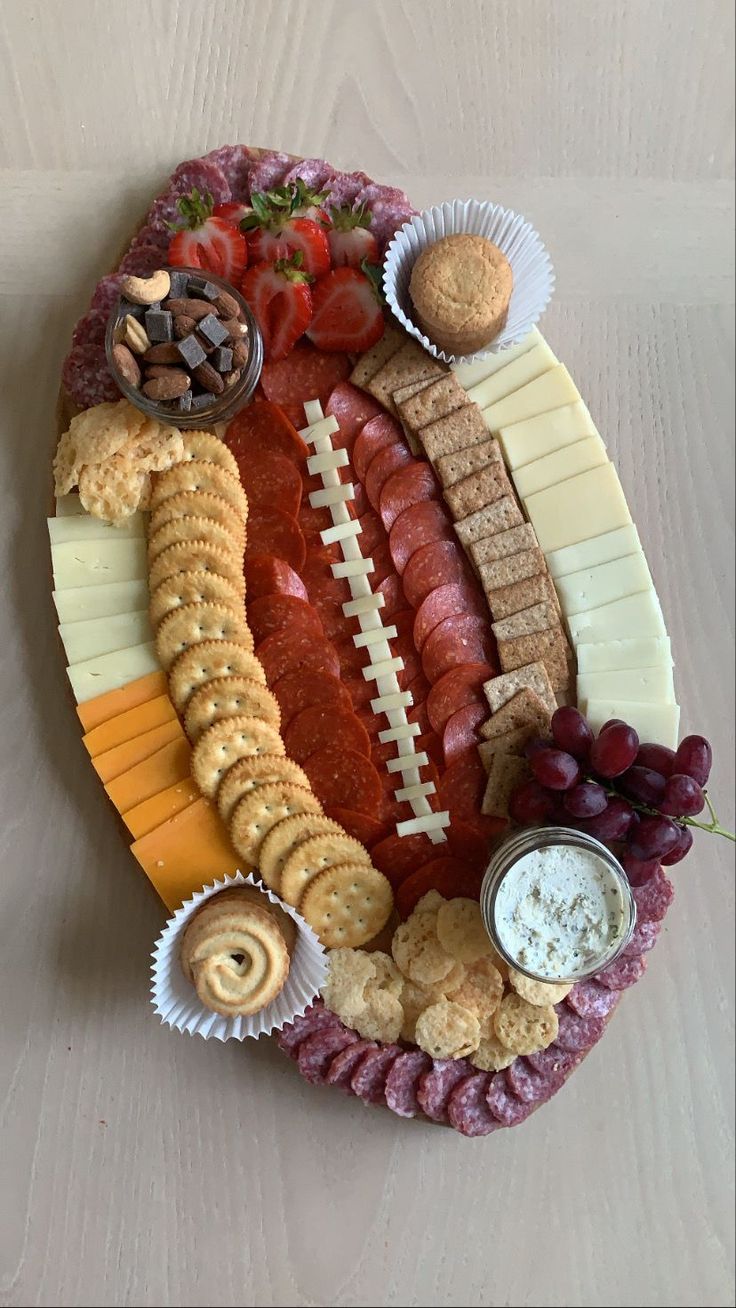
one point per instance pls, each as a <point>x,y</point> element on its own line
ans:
<point>297,200</point>
<point>347,313</point>
<point>279,295</point>
<point>274,232</point>
<point>203,241</point>
<point>233,211</point>
<point>351,241</point>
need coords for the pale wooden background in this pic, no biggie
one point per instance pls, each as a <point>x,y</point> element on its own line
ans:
<point>139,1167</point>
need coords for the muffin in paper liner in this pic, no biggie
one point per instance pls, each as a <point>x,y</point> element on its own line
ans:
<point>534,277</point>
<point>175,999</point>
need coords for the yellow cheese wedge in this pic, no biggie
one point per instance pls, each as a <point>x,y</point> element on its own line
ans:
<point>188,852</point>
<point>121,758</point>
<point>153,812</point>
<point>114,702</point>
<point>165,768</point>
<point>126,726</point>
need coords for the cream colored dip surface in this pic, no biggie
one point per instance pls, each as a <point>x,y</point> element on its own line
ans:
<point>558,910</point>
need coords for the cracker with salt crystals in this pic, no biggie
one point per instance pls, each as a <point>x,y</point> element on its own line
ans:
<point>539,617</point>
<point>373,360</point>
<point>454,432</point>
<point>347,904</point>
<point>111,490</point>
<point>455,467</point>
<point>480,991</point>
<point>489,521</point>
<point>447,1030</point>
<point>443,396</point>
<point>507,771</point>
<point>503,544</point>
<point>418,952</point>
<point>491,1055</point>
<point>499,690</point>
<point>524,1028</point>
<point>538,993</point>
<point>205,445</point>
<point>461,932</point>
<point>507,600</point>
<point>525,709</point>
<point>343,990</point>
<point>200,475</point>
<point>478,490</point>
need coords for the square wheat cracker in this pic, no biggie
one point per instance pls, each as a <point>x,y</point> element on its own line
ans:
<point>390,343</point>
<point>525,710</point>
<point>454,467</point>
<point>499,690</point>
<point>512,742</point>
<point>503,544</point>
<point>410,363</point>
<point>507,772</point>
<point>444,396</point>
<point>548,647</point>
<point>478,490</point>
<point>506,600</point>
<point>529,563</point>
<point>489,521</point>
<point>539,617</point>
<point>455,432</point>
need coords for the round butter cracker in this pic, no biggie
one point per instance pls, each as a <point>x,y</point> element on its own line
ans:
<point>206,662</point>
<point>228,740</point>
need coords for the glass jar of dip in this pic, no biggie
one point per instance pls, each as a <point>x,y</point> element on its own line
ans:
<point>557,904</point>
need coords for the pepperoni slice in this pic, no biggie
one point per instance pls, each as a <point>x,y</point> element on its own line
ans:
<point>438,564</point>
<point>312,522</point>
<point>275,612</point>
<point>530,1086</point>
<point>353,408</point>
<point>467,1108</point>
<point>317,1052</point>
<point>393,596</point>
<point>267,575</point>
<point>445,602</point>
<point>377,434</point>
<point>470,845</point>
<point>403,644</point>
<point>306,374</point>
<point>297,691</point>
<point>623,973</point>
<point>343,1065</point>
<point>271,479</point>
<point>503,1103</point>
<point>382,467</point>
<point>270,531</point>
<point>402,1082</point>
<point>315,1018</point>
<point>372,534</point>
<point>436,1086</point>
<point>456,642</point>
<point>361,692</point>
<point>398,856</point>
<point>419,525</point>
<point>461,731</point>
<point>368,830</point>
<point>296,651</point>
<point>369,1078</point>
<point>324,727</point>
<point>264,428</point>
<point>383,565</point>
<point>352,660</point>
<point>589,999</point>
<point>320,581</point>
<point>462,786</point>
<point>406,487</point>
<point>458,687</point>
<point>447,875</point>
<point>344,778</point>
<point>577,1034</point>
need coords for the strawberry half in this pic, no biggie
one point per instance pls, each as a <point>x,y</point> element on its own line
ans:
<point>233,211</point>
<point>351,242</point>
<point>347,313</point>
<point>275,233</point>
<point>205,241</point>
<point>279,295</point>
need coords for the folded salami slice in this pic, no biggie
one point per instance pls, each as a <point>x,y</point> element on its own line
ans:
<point>467,1107</point>
<point>324,727</point>
<point>142,260</point>
<point>419,525</point>
<point>644,938</point>
<point>577,1034</point>
<point>531,1086</point>
<point>86,377</point>
<point>272,532</point>
<point>202,174</point>
<point>267,575</point>
<point>274,613</point>
<point>352,408</point>
<point>369,1078</point>
<point>345,778</point>
<point>458,687</point>
<point>503,1103</point>
<point>317,1052</point>
<point>382,469</point>
<point>315,1018</point>
<point>436,1086</point>
<point>402,1082</point>
<point>315,173</point>
<point>296,651</point>
<point>344,1063</point>
<point>377,434</point>
<point>457,642</point>
<point>438,564</point>
<point>236,162</point>
<point>105,296</point>
<point>269,171</point>
<point>408,486</point>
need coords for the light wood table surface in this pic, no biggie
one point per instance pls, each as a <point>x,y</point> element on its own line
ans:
<point>142,1168</point>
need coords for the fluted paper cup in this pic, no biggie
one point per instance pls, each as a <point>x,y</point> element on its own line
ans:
<point>176,1002</point>
<point>534,277</point>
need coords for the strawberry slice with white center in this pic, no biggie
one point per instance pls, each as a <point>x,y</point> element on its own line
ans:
<point>233,211</point>
<point>346,310</point>
<point>279,295</point>
<point>351,241</point>
<point>274,232</point>
<point>202,240</point>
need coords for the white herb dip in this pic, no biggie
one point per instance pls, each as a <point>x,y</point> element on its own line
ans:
<point>558,910</point>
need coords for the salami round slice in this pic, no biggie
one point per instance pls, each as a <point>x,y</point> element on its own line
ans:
<point>369,1078</point>
<point>270,531</point>
<point>317,1052</point>
<point>438,564</point>
<point>644,938</point>
<point>343,1065</point>
<point>297,691</point>
<point>398,856</point>
<point>315,173</point>
<point>446,602</point>
<point>306,374</point>
<point>344,188</point>
<point>457,688</point>
<point>344,778</point>
<point>372,534</point>
<point>436,1086</point>
<point>447,875</point>
<point>623,973</point>
<point>553,1061</point>
<point>576,1034</point>
<point>324,727</point>
<point>402,1082</point>
<point>382,468</point>
<point>90,330</point>
<point>142,260</point>
<point>393,596</point>
<point>368,830</point>
<point>589,999</point>
<point>147,235</point>
<point>236,162</point>
<point>353,409</point>
<point>263,428</point>
<point>389,207</point>
<point>269,171</point>
<point>296,651</point>
<point>106,293</point>
<point>278,612</point>
<point>419,525</point>
<point>462,786</point>
<point>503,1103</point>
<point>201,174</point>
<point>406,487</point>
<point>467,1108</point>
<point>456,642</point>
<point>654,897</point>
<point>271,479</point>
<point>530,1086</point>
<point>316,1018</point>
<point>461,731</point>
<point>86,377</point>
<point>377,434</point>
<point>267,575</point>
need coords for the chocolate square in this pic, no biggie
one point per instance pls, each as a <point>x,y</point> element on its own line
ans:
<point>159,326</point>
<point>182,403</point>
<point>202,401</point>
<point>191,351</point>
<point>222,358</point>
<point>179,283</point>
<point>212,329</point>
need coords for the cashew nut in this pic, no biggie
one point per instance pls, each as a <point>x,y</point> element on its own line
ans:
<point>147,290</point>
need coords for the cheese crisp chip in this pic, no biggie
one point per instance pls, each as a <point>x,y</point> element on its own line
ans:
<point>447,1030</point>
<point>418,952</point>
<point>155,447</point>
<point>414,999</point>
<point>381,1017</point>
<point>388,976</point>
<point>539,993</point>
<point>343,991</point>
<point>111,490</point>
<point>491,1055</point>
<point>461,932</point>
<point>480,991</point>
<point>522,1027</point>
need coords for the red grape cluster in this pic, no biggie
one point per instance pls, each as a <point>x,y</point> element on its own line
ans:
<point>616,789</point>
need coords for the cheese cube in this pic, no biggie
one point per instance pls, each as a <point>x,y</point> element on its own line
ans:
<point>549,391</point>
<point>654,723</point>
<point>640,613</point>
<point>576,509</point>
<point>633,652</point>
<point>553,468</point>
<point>598,549</point>
<point>581,591</point>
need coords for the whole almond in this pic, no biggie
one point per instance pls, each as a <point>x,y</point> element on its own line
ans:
<point>125,362</point>
<point>227,306</point>
<point>183,326</point>
<point>209,377</point>
<point>232,326</point>
<point>165,352</point>
<point>240,354</point>
<point>232,376</point>
<point>166,388</point>
<point>190,308</point>
<point>161,370</point>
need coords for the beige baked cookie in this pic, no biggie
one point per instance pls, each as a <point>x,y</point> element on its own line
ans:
<point>460,288</point>
<point>235,955</point>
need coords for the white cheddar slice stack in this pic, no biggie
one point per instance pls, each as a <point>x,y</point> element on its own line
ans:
<point>470,374</point>
<point>550,391</point>
<point>111,671</point>
<point>590,452</point>
<point>535,438</point>
<point>94,636</point>
<point>530,365</point>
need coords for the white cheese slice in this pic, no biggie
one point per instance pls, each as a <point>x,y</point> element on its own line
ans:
<point>406,731</point>
<point>534,438</point>
<point>313,411</point>
<point>383,668</point>
<point>576,509</point>
<point>363,604</point>
<point>406,761</point>
<point>534,363</point>
<point>637,685</point>
<point>598,549</point>
<point>66,505</point>
<point>90,562</point>
<point>632,652</point>
<point>469,374</point>
<point>352,568</point>
<point>324,499</point>
<point>549,391</point>
<point>654,723</point>
<point>92,636</point>
<point>318,430</point>
<point>85,527</point>
<point>420,791</point>
<point>641,613</point>
<point>590,452</point>
<point>341,531</point>
<point>110,671</point>
<point>581,591</point>
<point>105,601</point>
<point>428,823</point>
<point>373,635</point>
<point>327,461</point>
<point>397,699</point>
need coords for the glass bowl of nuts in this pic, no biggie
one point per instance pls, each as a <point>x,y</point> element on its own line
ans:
<point>184,347</point>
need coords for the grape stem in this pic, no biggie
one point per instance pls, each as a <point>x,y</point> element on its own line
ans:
<point>713,826</point>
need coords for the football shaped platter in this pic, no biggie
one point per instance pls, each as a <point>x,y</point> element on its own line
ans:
<point>364,645</point>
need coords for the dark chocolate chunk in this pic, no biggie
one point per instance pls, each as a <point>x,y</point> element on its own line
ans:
<point>179,283</point>
<point>221,358</point>
<point>159,325</point>
<point>191,352</point>
<point>202,401</point>
<point>182,403</point>
<point>208,291</point>
<point>213,330</point>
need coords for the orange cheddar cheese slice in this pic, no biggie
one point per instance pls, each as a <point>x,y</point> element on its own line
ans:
<point>114,762</point>
<point>153,812</point>
<point>167,767</point>
<point>126,726</point>
<point>188,852</point>
<point>103,707</point>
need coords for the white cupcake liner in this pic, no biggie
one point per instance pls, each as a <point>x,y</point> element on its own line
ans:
<point>175,999</point>
<point>534,277</point>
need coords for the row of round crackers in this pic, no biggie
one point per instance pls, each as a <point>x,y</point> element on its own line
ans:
<point>196,541</point>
